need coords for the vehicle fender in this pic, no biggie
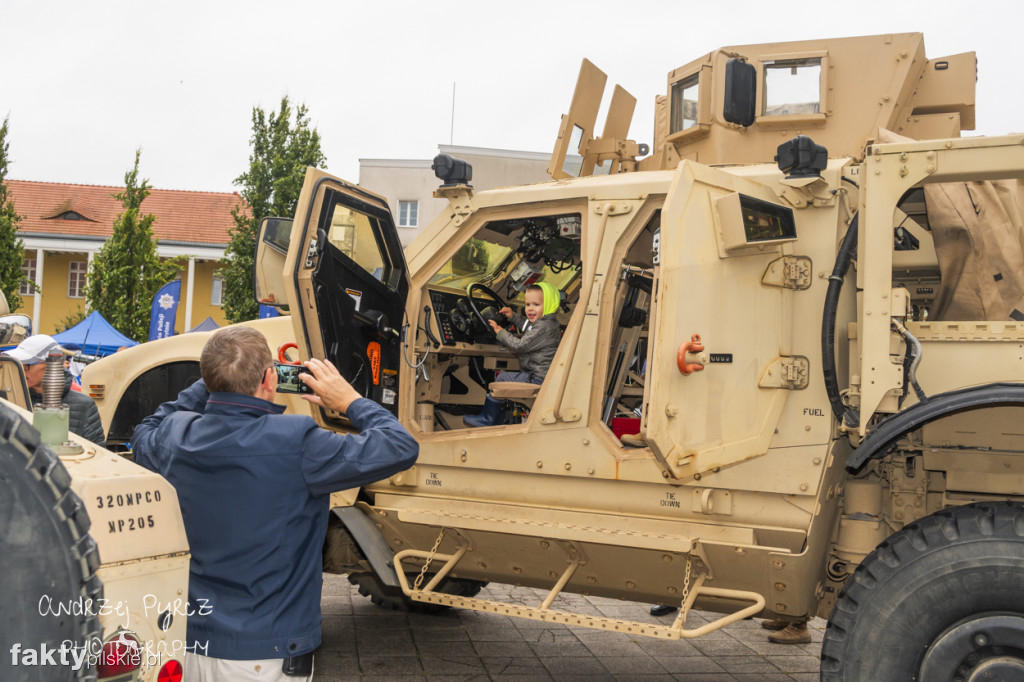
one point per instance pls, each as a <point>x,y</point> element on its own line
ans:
<point>371,542</point>
<point>880,441</point>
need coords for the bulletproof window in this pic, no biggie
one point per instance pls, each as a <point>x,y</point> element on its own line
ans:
<point>353,233</point>
<point>792,86</point>
<point>684,104</point>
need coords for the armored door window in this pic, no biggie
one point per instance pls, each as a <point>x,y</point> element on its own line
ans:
<point>792,86</point>
<point>352,233</point>
<point>684,103</point>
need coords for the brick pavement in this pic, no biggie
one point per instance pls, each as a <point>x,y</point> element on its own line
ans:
<point>366,643</point>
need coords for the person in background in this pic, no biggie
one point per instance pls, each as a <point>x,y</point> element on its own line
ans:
<point>84,418</point>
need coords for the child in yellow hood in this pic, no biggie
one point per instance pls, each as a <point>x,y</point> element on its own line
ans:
<point>536,346</point>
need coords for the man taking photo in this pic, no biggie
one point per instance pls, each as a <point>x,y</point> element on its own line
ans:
<point>253,485</point>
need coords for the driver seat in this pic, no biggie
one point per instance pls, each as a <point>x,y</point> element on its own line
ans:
<point>516,391</point>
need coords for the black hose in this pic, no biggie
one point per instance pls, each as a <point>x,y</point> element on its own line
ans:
<point>847,249</point>
<point>429,332</point>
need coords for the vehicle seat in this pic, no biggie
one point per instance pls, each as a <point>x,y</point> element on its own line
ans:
<point>516,391</point>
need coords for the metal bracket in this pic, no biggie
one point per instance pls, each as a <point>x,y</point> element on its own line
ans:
<point>613,208</point>
<point>791,372</point>
<point>789,272</point>
<point>311,253</point>
<point>460,200</point>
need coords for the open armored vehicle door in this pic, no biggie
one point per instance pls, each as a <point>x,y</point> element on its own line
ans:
<point>721,364</point>
<point>346,280</point>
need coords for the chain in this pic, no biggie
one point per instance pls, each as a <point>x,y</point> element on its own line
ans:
<point>430,557</point>
<point>686,580</point>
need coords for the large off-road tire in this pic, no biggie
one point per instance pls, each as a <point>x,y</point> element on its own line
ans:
<point>942,599</point>
<point>48,561</point>
<point>393,599</point>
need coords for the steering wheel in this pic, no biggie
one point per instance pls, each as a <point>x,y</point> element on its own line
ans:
<point>472,304</point>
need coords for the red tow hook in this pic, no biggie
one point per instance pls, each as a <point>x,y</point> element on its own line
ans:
<point>282,353</point>
<point>692,346</point>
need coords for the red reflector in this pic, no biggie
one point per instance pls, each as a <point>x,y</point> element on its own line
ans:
<point>171,672</point>
<point>121,655</point>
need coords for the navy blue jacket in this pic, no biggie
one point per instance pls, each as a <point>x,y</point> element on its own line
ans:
<point>253,485</point>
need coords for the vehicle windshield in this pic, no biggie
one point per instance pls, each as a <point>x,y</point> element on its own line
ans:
<point>476,261</point>
<point>508,255</point>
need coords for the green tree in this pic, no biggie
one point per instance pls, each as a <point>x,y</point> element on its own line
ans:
<point>126,272</point>
<point>12,249</point>
<point>281,151</point>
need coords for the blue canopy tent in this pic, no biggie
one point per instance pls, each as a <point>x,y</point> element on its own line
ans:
<point>93,336</point>
<point>207,325</point>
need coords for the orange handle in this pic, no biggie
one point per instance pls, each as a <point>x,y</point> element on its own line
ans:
<point>692,346</point>
<point>282,353</point>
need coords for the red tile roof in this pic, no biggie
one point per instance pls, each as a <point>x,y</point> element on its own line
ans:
<point>190,217</point>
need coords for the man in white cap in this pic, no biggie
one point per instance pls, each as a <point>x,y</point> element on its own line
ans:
<point>84,418</point>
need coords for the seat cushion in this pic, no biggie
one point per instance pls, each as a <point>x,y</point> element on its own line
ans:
<point>514,390</point>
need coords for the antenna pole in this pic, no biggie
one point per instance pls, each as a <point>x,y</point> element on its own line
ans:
<point>451,139</point>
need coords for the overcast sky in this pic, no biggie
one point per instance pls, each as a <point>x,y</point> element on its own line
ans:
<point>85,83</point>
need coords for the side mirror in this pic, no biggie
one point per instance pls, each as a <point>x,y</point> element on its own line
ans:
<point>14,329</point>
<point>271,251</point>
<point>13,386</point>
<point>740,92</point>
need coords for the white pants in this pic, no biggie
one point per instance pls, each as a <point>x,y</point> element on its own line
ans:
<point>200,668</point>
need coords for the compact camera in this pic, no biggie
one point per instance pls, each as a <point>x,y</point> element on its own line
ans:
<point>288,378</point>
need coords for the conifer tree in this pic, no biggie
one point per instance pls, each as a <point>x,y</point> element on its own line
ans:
<point>12,249</point>
<point>126,273</point>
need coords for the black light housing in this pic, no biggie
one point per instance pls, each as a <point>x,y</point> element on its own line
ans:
<point>801,158</point>
<point>452,171</point>
<point>740,92</point>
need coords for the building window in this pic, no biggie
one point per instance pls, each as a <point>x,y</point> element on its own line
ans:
<point>28,271</point>
<point>217,292</point>
<point>77,270</point>
<point>408,213</point>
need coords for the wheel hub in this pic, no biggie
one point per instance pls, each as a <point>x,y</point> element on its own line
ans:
<point>978,650</point>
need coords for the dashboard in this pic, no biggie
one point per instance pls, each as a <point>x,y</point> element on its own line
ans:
<point>456,322</point>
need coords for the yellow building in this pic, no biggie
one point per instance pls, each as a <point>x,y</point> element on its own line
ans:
<point>63,226</point>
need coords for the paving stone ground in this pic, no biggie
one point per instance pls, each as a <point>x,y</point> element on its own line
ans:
<point>364,643</point>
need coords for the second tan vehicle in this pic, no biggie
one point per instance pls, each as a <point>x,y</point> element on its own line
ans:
<point>803,307</point>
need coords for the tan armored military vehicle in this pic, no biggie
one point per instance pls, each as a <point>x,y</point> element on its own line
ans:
<point>130,385</point>
<point>802,437</point>
<point>93,552</point>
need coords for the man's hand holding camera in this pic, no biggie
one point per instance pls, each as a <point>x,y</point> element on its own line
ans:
<point>331,389</point>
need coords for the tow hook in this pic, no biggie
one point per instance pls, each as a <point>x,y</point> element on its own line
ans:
<point>692,346</point>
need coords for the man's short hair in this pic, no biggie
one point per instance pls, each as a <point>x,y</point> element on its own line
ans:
<point>235,359</point>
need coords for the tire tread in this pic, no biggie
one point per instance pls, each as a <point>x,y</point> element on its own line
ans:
<point>982,520</point>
